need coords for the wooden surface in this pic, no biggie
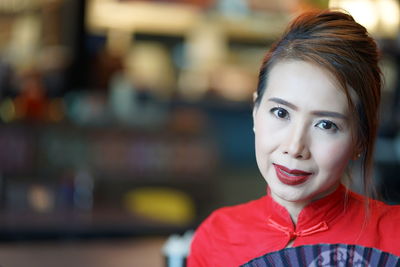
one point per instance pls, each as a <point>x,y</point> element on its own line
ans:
<point>105,253</point>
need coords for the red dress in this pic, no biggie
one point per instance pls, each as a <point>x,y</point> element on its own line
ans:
<point>232,236</point>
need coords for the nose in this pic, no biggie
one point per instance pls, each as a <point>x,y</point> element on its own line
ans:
<point>296,143</point>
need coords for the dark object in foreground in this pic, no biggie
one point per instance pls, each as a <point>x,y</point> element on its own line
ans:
<point>326,255</point>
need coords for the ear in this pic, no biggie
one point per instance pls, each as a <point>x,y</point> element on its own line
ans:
<point>356,156</point>
<point>357,152</point>
<point>255,95</point>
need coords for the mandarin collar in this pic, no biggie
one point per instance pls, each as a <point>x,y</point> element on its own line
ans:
<point>317,216</point>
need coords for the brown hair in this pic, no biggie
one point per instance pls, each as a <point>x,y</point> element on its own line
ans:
<point>334,41</point>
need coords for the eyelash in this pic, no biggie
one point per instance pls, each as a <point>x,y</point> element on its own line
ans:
<point>275,111</point>
<point>332,126</point>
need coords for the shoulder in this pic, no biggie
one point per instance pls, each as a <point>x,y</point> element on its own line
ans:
<point>387,213</point>
<point>223,228</point>
<point>233,216</point>
<point>236,215</point>
<point>227,225</point>
<point>377,220</point>
<point>383,214</point>
<point>381,208</point>
<point>375,206</point>
<point>385,219</point>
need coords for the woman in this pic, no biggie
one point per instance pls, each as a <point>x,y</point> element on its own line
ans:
<point>316,111</point>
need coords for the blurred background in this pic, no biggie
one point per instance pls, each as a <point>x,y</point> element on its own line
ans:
<point>123,121</point>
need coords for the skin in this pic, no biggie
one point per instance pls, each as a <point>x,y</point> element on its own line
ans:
<point>302,123</point>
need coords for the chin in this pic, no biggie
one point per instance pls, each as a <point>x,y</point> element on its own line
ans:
<point>300,197</point>
<point>291,193</point>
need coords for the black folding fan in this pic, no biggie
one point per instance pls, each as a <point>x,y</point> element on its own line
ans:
<point>326,255</point>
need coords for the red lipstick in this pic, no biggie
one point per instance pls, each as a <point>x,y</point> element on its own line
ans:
<point>291,177</point>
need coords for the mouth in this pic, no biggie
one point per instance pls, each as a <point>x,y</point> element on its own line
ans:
<point>291,177</point>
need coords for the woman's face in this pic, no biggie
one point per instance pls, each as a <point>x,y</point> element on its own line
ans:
<point>302,130</point>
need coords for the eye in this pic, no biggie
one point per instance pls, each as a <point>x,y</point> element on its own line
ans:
<point>280,113</point>
<point>327,125</point>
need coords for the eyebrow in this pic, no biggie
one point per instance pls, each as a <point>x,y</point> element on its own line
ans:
<point>321,113</point>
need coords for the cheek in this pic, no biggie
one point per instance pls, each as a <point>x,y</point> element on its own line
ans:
<point>267,128</point>
<point>264,144</point>
<point>266,137</point>
<point>334,156</point>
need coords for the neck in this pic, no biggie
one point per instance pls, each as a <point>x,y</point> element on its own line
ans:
<point>295,207</point>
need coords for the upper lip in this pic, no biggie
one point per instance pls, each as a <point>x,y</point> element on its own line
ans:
<point>294,171</point>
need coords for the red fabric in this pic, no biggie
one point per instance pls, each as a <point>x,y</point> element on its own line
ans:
<point>232,236</point>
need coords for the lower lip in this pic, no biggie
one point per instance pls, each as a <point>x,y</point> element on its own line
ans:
<point>290,179</point>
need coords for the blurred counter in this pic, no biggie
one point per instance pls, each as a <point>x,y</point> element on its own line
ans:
<point>101,253</point>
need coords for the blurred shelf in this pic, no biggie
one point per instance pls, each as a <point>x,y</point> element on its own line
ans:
<point>151,17</point>
<point>259,27</point>
<point>115,151</point>
<point>98,224</point>
<point>178,19</point>
<point>100,253</point>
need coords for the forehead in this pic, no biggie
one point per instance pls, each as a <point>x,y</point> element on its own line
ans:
<point>307,85</point>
